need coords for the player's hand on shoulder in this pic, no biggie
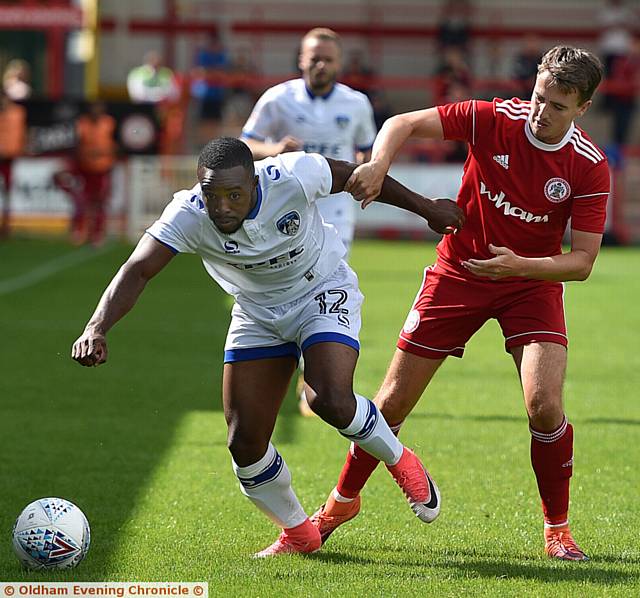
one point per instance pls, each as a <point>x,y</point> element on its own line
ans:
<point>289,144</point>
<point>90,349</point>
<point>365,182</point>
<point>445,216</point>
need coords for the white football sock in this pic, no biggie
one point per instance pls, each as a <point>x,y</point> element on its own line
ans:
<point>552,525</point>
<point>268,484</point>
<point>370,431</point>
<point>339,498</point>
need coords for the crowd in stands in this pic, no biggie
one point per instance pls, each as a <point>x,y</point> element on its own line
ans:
<point>217,94</point>
<point>219,91</point>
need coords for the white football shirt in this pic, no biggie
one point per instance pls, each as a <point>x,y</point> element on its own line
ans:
<point>335,125</point>
<point>283,247</point>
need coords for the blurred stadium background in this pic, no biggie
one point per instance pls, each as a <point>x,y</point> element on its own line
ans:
<point>404,54</point>
<point>140,444</point>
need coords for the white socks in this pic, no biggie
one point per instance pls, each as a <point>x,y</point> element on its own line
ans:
<point>268,484</point>
<point>339,498</point>
<point>268,481</point>
<point>370,431</point>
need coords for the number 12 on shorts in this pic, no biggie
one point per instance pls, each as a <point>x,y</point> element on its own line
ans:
<point>336,298</point>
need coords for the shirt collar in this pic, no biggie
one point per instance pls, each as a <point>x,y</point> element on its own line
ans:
<point>313,96</point>
<point>548,147</point>
<point>254,212</point>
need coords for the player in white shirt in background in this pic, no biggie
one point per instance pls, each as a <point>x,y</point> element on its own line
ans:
<point>260,236</point>
<point>316,114</point>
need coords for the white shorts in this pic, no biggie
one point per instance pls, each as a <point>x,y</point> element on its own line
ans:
<point>330,312</point>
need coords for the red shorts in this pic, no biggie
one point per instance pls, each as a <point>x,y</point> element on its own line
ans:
<point>450,309</point>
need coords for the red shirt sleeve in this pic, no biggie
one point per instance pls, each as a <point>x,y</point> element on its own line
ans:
<point>464,121</point>
<point>589,208</point>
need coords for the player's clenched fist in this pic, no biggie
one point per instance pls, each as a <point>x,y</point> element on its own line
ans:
<point>90,349</point>
<point>365,182</point>
<point>445,216</point>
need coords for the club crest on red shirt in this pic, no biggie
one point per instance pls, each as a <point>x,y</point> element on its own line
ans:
<point>556,190</point>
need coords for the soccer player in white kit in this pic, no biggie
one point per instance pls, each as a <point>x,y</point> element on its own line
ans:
<point>260,236</point>
<point>316,114</point>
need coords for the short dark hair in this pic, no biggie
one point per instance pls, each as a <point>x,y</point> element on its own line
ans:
<point>226,152</point>
<point>573,69</point>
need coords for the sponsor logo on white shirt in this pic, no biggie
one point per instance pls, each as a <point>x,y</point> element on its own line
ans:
<point>273,172</point>
<point>231,247</point>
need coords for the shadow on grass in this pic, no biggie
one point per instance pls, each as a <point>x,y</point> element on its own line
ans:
<point>540,571</point>
<point>96,435</point>
<point>466,417</point>
<point>612,421</point>
<point>469,564</point>
<point>522,418</point>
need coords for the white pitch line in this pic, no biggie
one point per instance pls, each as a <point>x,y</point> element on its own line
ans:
<point>49,268</point>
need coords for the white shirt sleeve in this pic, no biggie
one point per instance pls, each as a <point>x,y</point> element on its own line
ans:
<point>262,121</point>
<point>180,226</point>
<point>366,128</point>
<point>312,172</point>
<point>135,87</point>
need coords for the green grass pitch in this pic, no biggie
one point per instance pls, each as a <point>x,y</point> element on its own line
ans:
<point>139,444</point>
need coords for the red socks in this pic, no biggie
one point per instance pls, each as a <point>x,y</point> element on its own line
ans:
<point>358,469</point>
<point>552,461</point>
<point>551,458</point>
<point>355,472</point>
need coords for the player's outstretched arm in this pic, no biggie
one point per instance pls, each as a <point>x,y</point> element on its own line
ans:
<point>443,215</point>
<point>366,181</point>
<point>147,259</point>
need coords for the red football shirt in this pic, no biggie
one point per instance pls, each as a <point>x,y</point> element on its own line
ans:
<point>517,191</point>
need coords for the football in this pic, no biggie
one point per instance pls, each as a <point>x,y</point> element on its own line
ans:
<point>51,533</point>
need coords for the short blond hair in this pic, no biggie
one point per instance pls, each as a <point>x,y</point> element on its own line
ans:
<point>324,34</point>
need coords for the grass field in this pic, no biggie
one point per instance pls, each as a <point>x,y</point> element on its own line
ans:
<point>139,444</point>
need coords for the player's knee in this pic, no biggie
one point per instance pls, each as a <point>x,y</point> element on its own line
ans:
<point>334,405</point>
<point>392,403</point>
<point>244,448</point>
<point>545,410</point>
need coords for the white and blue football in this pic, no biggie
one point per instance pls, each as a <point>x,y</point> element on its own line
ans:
<point>51,533</point>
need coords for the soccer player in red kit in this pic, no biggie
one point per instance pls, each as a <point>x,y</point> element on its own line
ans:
<point>529,169</point>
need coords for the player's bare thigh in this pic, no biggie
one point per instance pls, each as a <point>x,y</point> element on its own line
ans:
<point>542,367</point>
<point>252,392</point>
<point>405,381</point>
